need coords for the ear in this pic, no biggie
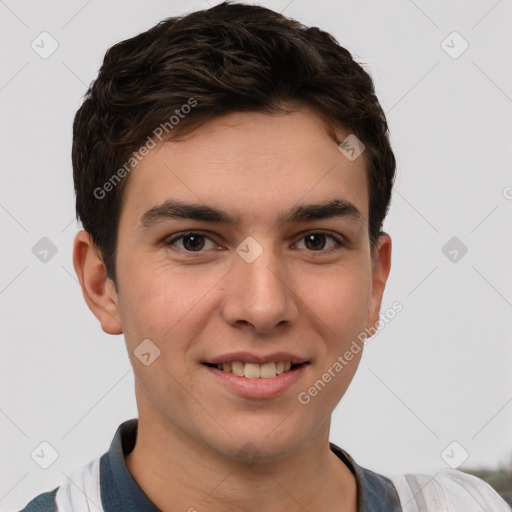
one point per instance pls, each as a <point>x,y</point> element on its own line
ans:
<point>98,290</point>
<point>381,265</point>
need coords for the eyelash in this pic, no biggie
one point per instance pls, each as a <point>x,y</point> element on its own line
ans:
<point>180,236</point>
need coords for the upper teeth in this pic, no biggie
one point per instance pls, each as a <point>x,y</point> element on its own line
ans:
<point>255,371</point>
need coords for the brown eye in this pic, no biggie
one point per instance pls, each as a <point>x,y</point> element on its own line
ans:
<point>191,242</point>
<point>317,242</point>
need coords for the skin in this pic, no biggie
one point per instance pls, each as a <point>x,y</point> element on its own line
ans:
<point>194,307</point>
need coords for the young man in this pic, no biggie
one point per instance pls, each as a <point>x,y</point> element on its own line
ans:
<point>232,173</point>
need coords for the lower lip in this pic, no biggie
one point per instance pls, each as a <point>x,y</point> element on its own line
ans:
<point>258,388</point>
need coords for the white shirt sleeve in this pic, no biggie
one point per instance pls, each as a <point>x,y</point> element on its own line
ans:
<point>81,491</point>
<point>448,490</point>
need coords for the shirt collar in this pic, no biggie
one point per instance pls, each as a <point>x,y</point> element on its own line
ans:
<point>375,493</point>
<point>119,490</point>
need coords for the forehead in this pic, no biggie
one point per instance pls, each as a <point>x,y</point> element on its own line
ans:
<point>251,165</point>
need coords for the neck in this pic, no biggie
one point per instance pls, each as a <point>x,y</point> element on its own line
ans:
<point>177,473</point>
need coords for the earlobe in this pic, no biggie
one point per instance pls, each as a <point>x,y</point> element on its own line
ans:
<point>98,290</point>
<point>381,266</point>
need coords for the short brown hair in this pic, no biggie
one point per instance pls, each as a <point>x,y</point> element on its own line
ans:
<point>232,57</point>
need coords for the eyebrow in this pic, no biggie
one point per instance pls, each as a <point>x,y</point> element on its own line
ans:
<point>175,209</point>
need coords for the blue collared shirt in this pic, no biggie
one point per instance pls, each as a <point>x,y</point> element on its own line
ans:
<point>121,493</point>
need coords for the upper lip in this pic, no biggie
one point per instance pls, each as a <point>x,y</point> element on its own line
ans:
<point>250,357</point>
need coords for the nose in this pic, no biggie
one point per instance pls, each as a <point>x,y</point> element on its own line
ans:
<point>261,294</point>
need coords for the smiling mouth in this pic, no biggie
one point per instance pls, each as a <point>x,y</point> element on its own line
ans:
<point>256,371</point>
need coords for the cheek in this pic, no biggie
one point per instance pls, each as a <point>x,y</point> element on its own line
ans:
<point>158,302</point>
<point>340,301</point>
<point>341,305</point>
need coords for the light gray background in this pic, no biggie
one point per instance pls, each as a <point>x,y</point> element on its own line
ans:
<point>439,372</point>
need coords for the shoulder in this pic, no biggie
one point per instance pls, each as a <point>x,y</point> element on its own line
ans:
<point>81,492</point>
<point>449,490</point>
<point>43,503</point>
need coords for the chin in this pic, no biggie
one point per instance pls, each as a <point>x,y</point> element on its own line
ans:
<point>266,442</point>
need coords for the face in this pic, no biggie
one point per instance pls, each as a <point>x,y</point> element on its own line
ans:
<point>279,284</point>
